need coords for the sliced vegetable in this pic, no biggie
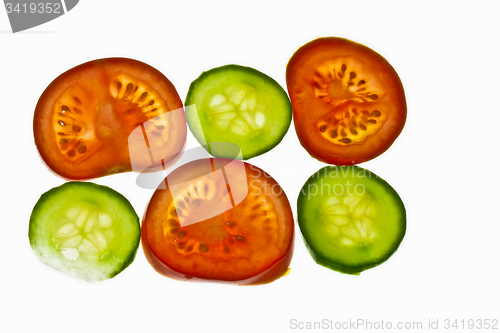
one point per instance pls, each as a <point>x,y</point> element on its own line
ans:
<point>108,116</point>
<point>219,220</point>
<point>239,105</point>
<point>351,219</point>
<point>348,102</point>
<point>86,230</point>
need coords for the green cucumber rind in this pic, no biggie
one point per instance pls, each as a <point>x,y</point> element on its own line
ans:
<point>346,269</point>
<point>46,203</point>
<point>199,133</point>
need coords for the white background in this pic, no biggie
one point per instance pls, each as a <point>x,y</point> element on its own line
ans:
<point>443,165</point>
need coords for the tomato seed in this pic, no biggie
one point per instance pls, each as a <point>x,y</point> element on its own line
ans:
<point>181,234</point>
<point>230,224</point>
<point>174,230</point>
<point>82,149</point>
<point>203,248</point>
<point>343,68</point>
<point>77,128</point>
<point>130,86</point>
<point>323,128</point>
<point>376,113</point>
<point>360,83</point>
<point>77,100</point>
<point>352,75</point>
<point>71,153</point>
<point>64,108</point>
<point>227,249</point>
<point>173,223</point>
<point>239,238</point>
<point>119,86</point>
<point>345,140</point>
<point>373,97</point>
<point>372,121</point>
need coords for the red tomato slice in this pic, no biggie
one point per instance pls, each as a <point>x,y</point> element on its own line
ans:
<point>348,102</point>
<point>91,120</point>
<point>219,220</point>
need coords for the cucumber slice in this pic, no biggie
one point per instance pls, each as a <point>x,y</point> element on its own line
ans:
<point>86,230</point>
<point>239,105</point>
<point>351,219</point>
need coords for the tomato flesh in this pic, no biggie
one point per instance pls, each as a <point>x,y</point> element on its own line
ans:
<point>93,119</point>
<point>219,220</point>
<point>348,102</point>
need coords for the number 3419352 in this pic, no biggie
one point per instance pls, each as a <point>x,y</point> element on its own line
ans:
<point>471,324</point>
<point>32,8</point>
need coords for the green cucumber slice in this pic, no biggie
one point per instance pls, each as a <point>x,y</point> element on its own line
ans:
<point>238,105</point>
<point>351,219</point>
<point>86,230</point>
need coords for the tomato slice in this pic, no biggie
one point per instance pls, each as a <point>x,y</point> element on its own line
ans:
<point>348,102</point>
<point>219,220</point>
<point>95,118</point>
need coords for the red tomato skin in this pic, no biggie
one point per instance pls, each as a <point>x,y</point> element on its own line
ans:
<point>307,108</point>
<point>114,157</point>
<point>279,268</point>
